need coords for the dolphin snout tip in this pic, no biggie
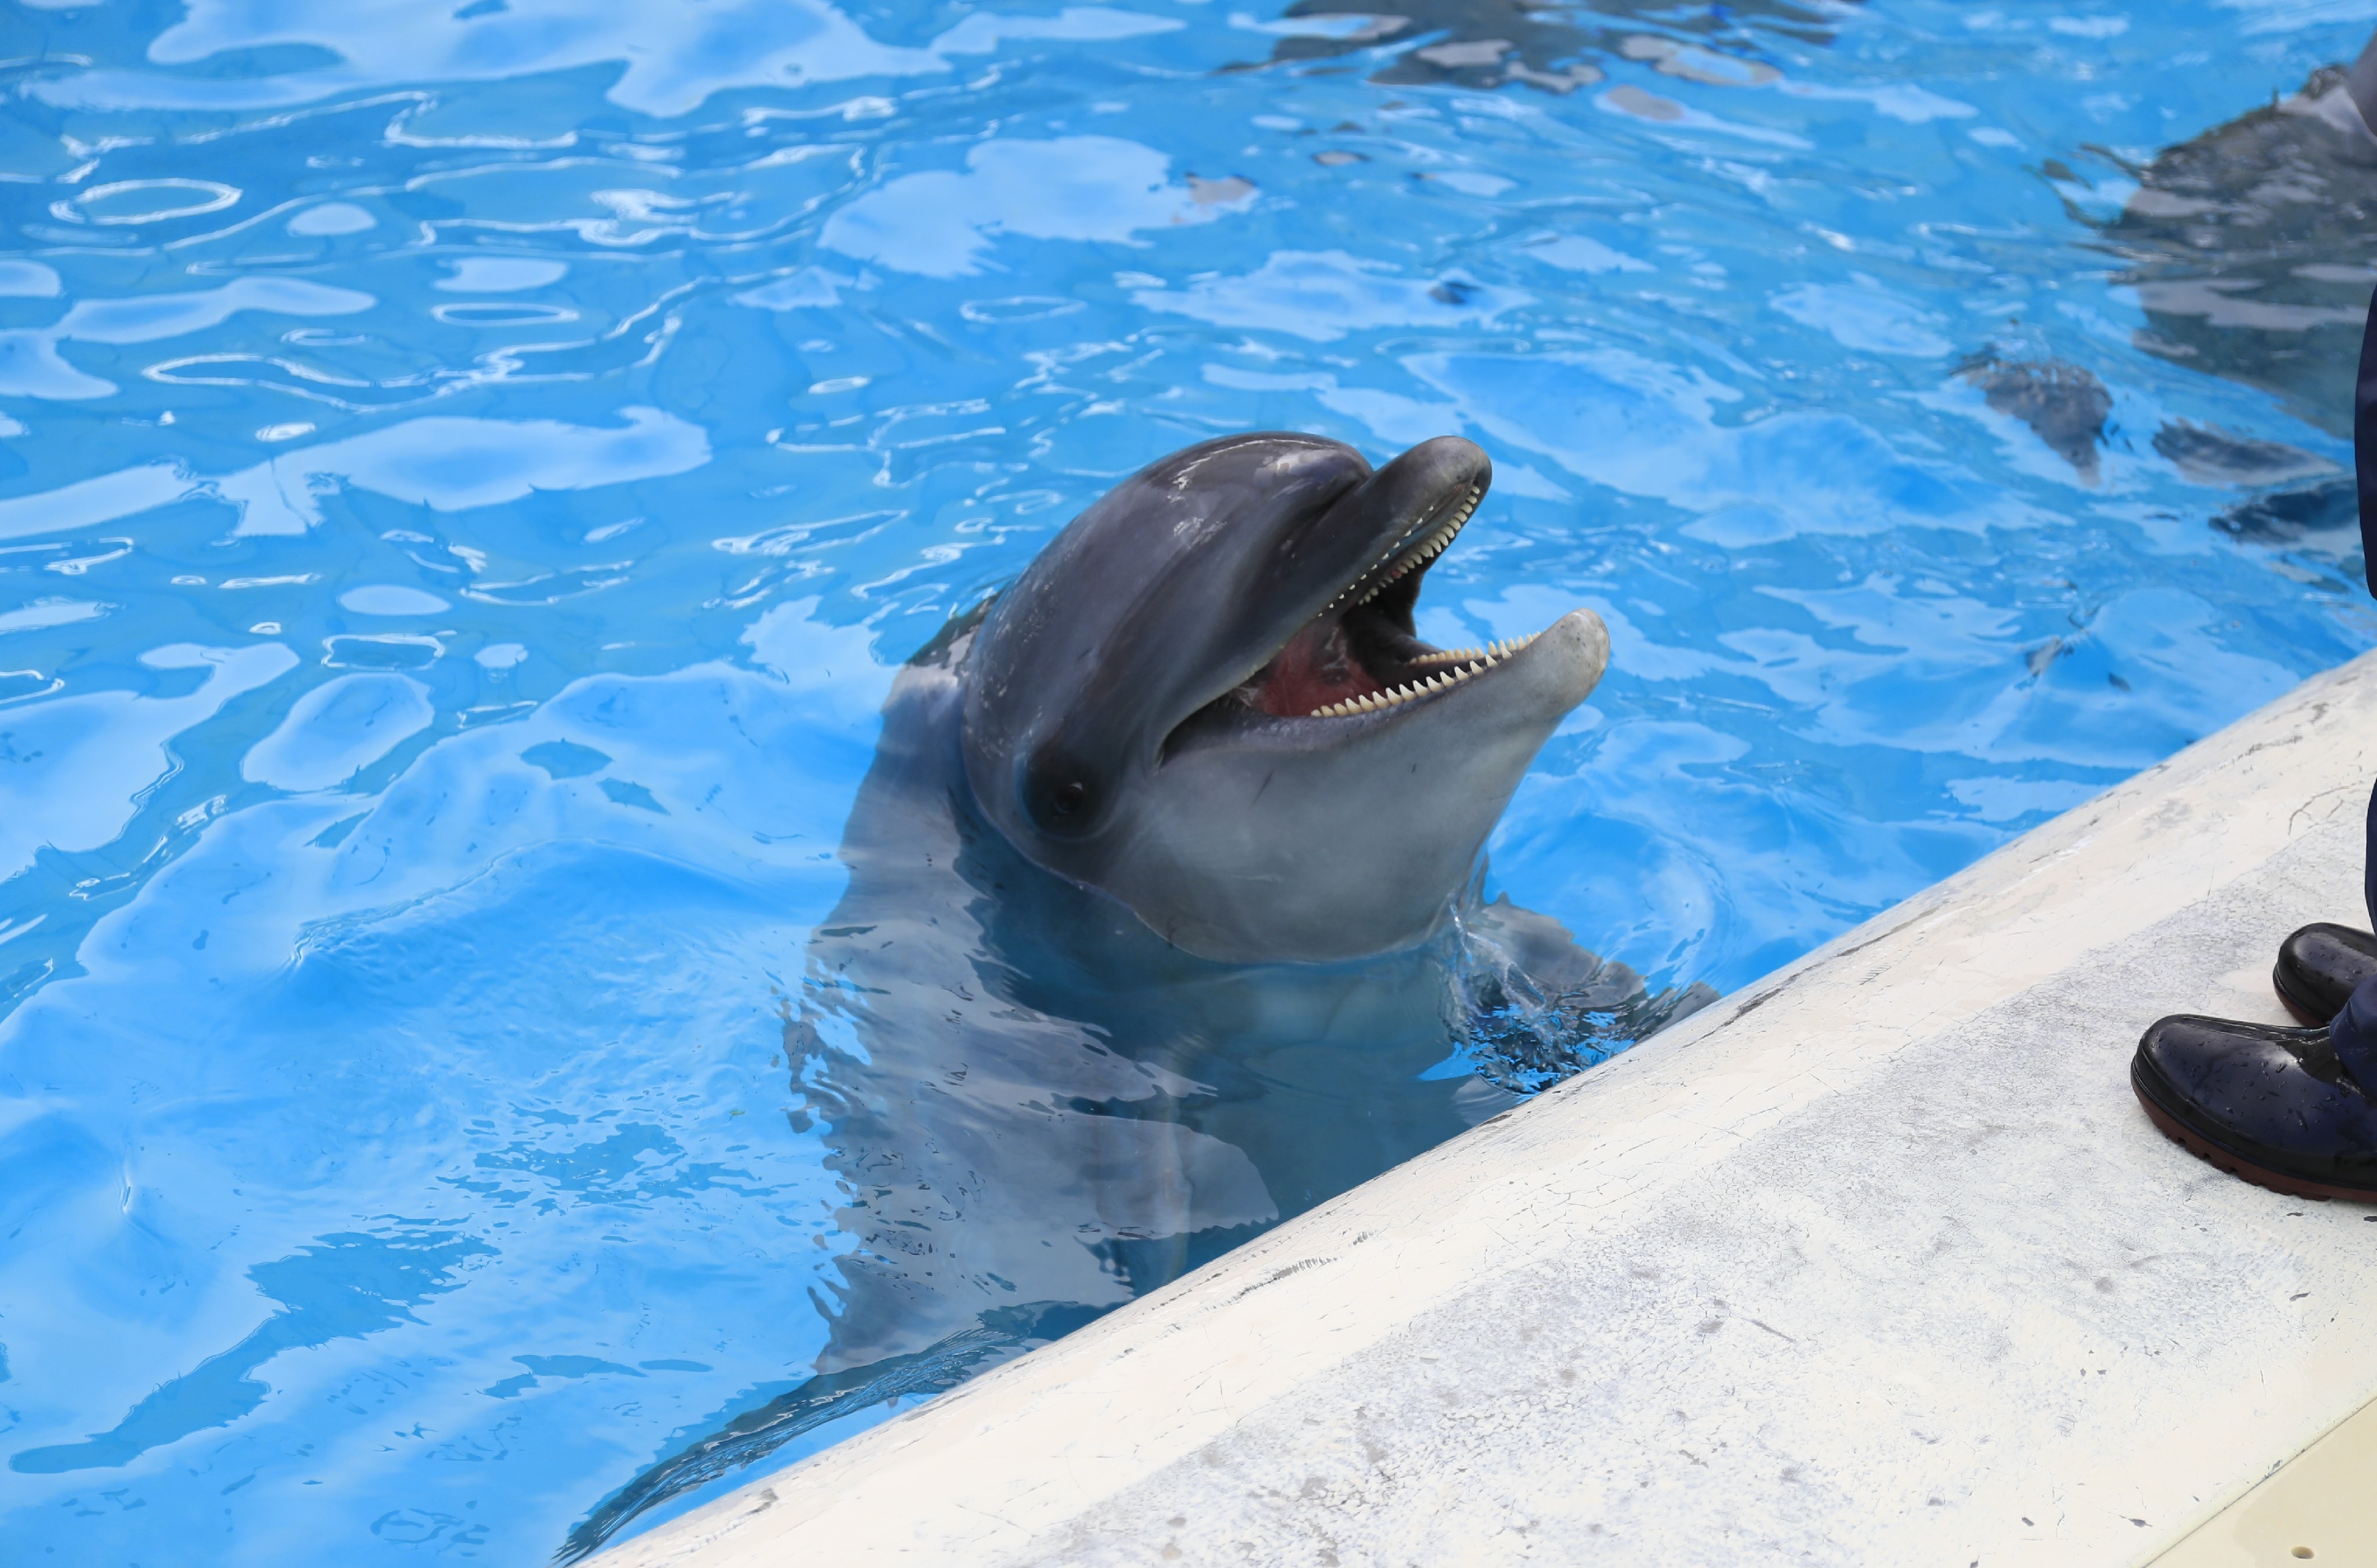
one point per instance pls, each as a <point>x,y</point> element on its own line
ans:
<point>1574,653</point>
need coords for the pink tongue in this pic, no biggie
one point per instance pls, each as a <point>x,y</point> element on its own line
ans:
<point>1314,670</point>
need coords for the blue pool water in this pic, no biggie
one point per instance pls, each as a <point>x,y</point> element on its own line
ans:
<point>468,472</point>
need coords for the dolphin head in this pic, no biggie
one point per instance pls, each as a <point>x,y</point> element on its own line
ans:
<point>1206,698</point>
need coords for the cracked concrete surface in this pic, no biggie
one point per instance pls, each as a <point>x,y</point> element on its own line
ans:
<point>1874,1263</point>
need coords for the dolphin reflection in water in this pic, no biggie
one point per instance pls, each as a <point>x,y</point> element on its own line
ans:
<point>1164,903</point>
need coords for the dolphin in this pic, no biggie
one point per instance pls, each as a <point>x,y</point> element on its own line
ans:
<point>1165,919</point>
<point>2248,245</point>
<point>1489,43</point>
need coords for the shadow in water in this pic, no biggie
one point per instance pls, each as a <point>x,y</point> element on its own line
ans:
<point>2328,510</point>
<point>2209,455</point>
<point>2064,404</point>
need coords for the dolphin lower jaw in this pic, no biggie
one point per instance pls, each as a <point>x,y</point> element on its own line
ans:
<point>1433,673</point>
<point>1265,849</point>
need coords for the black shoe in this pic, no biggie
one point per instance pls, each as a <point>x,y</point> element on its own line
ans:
<point>2271,1105</point>
<point>2319,966</point>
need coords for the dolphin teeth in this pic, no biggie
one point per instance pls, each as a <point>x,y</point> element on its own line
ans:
<point>1407,556</point>
<point>1436,671</point>
<point>1452,657</point>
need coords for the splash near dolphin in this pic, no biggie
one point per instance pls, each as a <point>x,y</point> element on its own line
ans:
<point>1164,919</point>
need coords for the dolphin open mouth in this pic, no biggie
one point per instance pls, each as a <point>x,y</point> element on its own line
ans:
<point>1359,656</point>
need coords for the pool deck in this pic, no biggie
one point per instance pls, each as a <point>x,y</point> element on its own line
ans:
<point>1875,1262</point>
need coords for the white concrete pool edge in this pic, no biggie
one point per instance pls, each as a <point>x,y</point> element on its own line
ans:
<point>1874,1261</point>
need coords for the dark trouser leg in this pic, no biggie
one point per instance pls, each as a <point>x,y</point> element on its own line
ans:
<point>2369,848</point>
<point>2355,1029</point>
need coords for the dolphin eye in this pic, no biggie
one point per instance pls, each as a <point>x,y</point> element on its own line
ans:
<point>1057,792</point>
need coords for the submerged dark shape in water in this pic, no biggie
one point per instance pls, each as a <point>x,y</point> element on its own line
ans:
<point>2252,246</point>
<point>1486,43</point>
<point>1164,919</point>
<point>2323,515</point>
<point>2209,455</point>
<point>2063,404</point>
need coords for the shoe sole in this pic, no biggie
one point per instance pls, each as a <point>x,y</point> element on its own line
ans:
<point>2236,1164</point>
<point>2303,1015</point>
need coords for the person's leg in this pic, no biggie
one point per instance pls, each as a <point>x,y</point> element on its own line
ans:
<point>2353,1033</point>
<point>2354,1030</point>
<point>2293,1109</point>
<point>2369,862</point>
<point>2267,1102</point>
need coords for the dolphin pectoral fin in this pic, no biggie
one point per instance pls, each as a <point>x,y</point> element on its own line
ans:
<point>1530,982</point>
<point>1159,1179</point>
<point>1546,951</point>
<point>752,1435</point>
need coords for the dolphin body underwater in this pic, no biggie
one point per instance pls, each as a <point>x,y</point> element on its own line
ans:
<point>1169,854</point>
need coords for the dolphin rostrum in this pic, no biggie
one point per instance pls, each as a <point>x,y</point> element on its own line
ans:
<point>1164,920</point>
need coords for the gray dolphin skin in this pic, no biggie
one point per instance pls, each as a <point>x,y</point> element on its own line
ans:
<point>1164,921</point>
<point>1206,700</point>
<point>1490,44</point>
<point>2250,245</point>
